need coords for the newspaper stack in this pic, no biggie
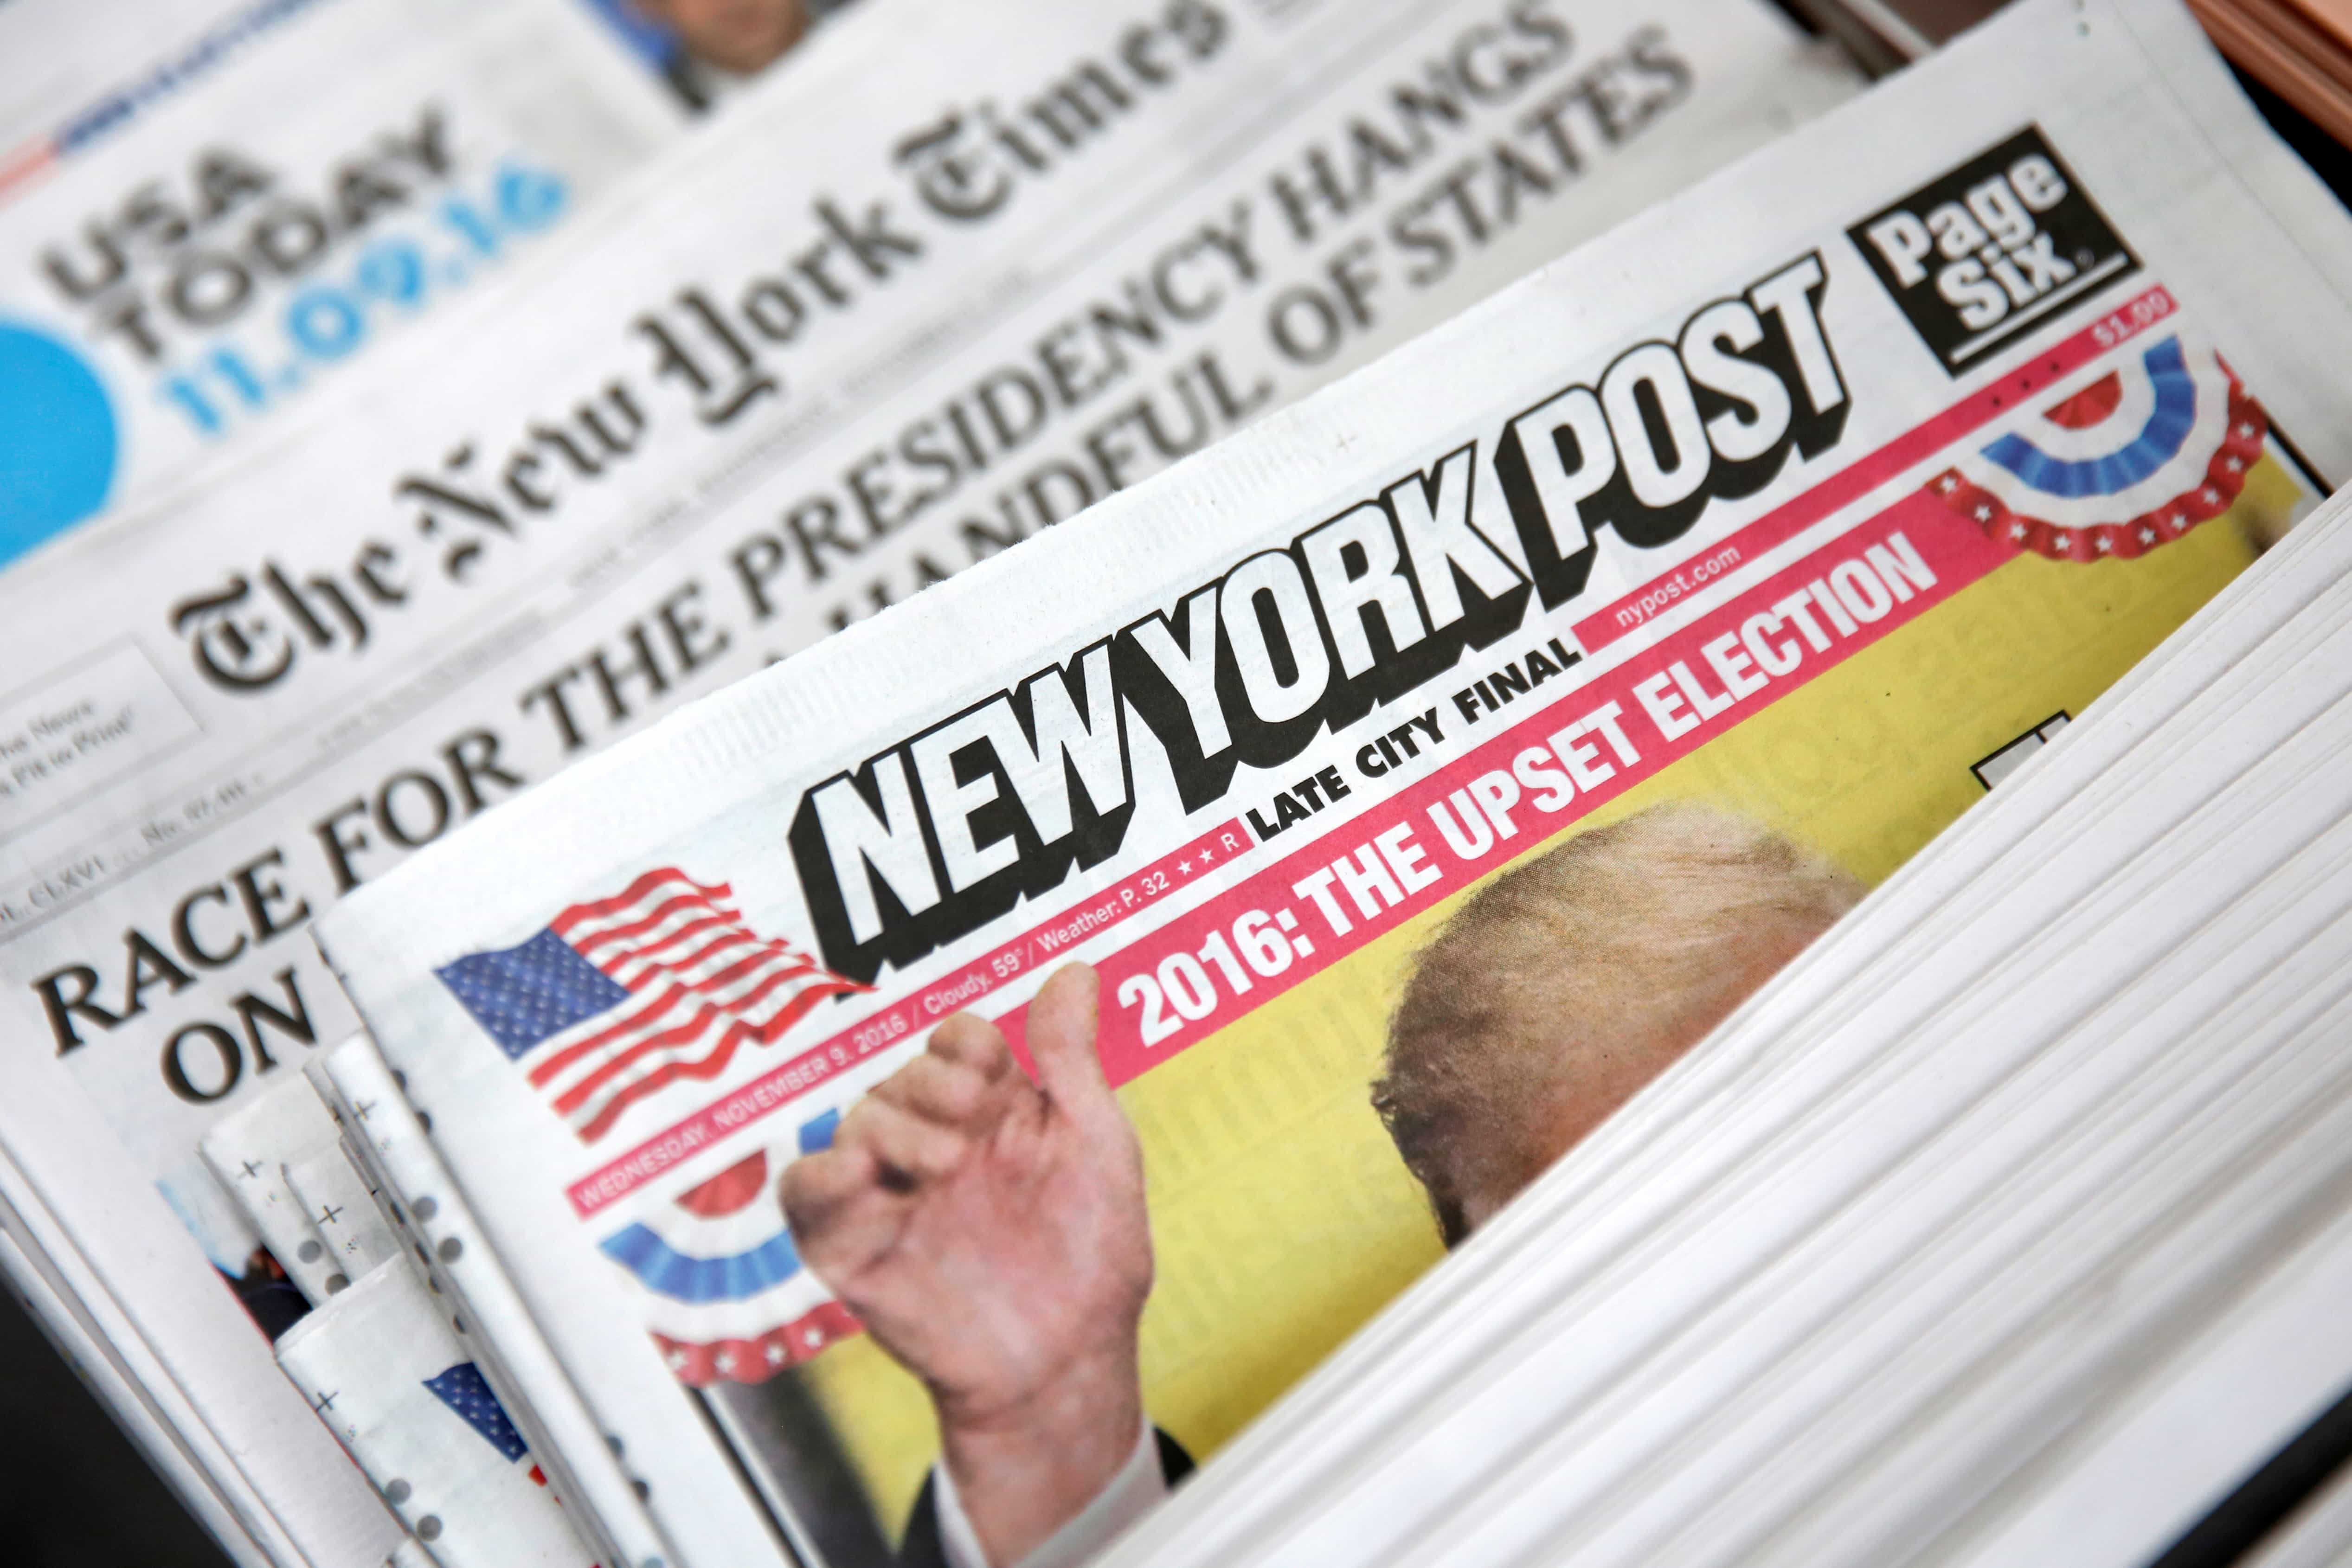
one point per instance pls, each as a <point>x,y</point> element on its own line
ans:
<point>2010,1224</point>
<point>944,278</point>
<point>925,1097</point>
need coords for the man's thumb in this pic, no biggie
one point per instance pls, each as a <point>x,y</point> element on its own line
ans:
<point>1060,1034</point>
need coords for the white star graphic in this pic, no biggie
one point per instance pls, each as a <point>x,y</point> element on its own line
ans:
<point>2104,542</point>
<point>2017,530</point>
<point>2061,541</point>
<point>2148,536</point>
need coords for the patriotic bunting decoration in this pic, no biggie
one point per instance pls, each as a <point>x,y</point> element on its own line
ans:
<point>2129,460</point>
<point>726,1295</point>
<point>620,997</point>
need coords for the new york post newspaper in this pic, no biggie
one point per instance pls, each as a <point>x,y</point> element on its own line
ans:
<point>1421,771</point>
<point>944,278</point>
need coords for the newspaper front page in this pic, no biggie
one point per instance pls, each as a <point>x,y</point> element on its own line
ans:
<point>192,250</point>
<point>704,432</point>
<point>1421,771</point>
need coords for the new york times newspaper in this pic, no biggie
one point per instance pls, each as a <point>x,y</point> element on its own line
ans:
<point>844,344</point>
<point>207,211</point>
<point>1421,771</point>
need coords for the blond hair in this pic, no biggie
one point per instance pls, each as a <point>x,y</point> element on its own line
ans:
<point>1565,985</point>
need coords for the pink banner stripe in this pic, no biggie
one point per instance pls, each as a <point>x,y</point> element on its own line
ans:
<point>1783,523</point>
<point>1401,844</point>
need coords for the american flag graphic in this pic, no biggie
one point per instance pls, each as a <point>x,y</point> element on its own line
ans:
<point>464,1389</point>
<point>621,996</point>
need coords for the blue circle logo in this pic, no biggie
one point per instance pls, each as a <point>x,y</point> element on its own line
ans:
<point>58,439</point>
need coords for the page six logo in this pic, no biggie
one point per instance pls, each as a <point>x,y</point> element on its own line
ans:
<point>1977,256</point>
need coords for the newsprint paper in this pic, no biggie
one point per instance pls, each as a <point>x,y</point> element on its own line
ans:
<point>946,275</point>
<point>1578,661</point>
<point>399,1390</point>
<point>197,230</point>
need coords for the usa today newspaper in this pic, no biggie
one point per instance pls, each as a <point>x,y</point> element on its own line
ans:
<point>206,211</point>
<point>1341,825</point>
<point>941,278</point>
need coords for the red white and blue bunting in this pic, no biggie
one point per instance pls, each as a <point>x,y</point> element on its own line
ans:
<point>2125,459</point>
<point>722,1287</point>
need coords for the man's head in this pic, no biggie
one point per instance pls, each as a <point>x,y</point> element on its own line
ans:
<point>1567,984</point>
<point>740,35</point>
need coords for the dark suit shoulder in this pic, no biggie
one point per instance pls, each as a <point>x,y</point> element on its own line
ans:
<point>923,1548</point>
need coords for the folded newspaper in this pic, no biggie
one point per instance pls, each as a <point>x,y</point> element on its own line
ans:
<point>193,240</point>
<point>400,1392</point>
<point>846,340</point>
<point>251,1152</point>
<point>388,1140</point>
<point>1699,580</point>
